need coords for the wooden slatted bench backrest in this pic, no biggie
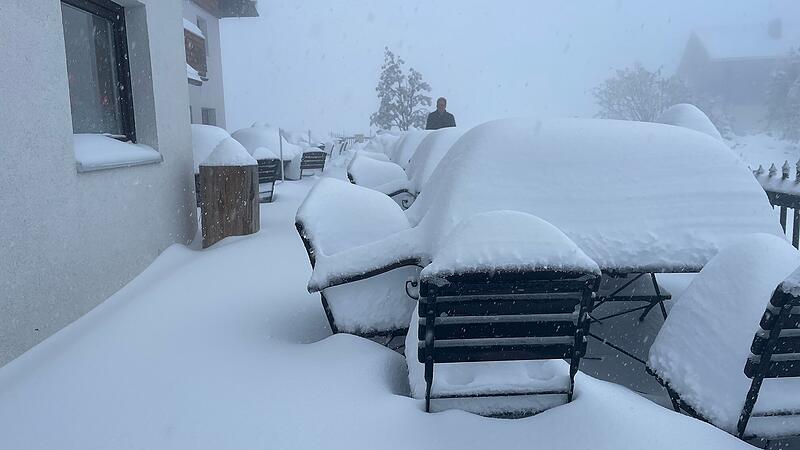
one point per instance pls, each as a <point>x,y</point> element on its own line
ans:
<point>268,170</point>
<point>313,160</point>
<point>504,316</point>
<point>775,352</point>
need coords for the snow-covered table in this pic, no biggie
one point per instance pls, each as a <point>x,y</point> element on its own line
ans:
<point>635,197</point>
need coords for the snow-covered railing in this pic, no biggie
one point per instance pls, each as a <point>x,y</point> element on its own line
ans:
<point>783,192</point>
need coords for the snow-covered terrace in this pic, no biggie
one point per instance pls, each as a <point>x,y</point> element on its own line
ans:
<point>224,348</point>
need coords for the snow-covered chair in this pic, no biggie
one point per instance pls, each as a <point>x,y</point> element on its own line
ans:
<point>380,175</point>
<point>313,160</point>
<point>269,170</point>
<point>503,302</point>
<point>262,135</point>
<point>403,185</point>
<point>337,216</point>
<point>403,150</point>
<point>729,351</point>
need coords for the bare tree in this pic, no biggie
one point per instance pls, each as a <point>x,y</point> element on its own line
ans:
<point>639,94</point>
<point>402,97</point>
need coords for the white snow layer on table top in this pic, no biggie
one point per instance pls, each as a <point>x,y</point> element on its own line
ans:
<point>205,139</point>
<point>338,215</point>
<point>371,172</point>
<point>405,147</point>
<point>229,152</point>
<point>429,153</point>
<point>507,240</point>
<point>266,136</point>
<point>689,116</point>
<point>96,151</point>
<point>631,195</point>
<point>189,355</point>
<point>749,41</point>
<point>192,28</point>
<point>704,343</point>
<point>264,153</point>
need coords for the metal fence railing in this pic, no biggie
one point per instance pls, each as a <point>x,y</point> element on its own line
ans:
<point>783,192</point>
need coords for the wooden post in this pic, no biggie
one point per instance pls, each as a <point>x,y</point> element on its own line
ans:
<point>230,202</point>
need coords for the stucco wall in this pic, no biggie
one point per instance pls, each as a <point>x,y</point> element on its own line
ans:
<point>68,240</point>
<point>210,94</point>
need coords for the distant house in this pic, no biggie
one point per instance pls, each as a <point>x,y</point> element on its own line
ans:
<point>203,60</point>
<point>96,174</point>
<point>734,65</point>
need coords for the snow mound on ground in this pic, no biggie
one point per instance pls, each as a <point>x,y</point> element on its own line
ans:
<point>429,153</point>
<point>229,152</point>
<point>689,116</point>
<point>703,345</point>
<point>669,201</point>
<point>507,240</point>
<point>405,147</point>
<point>205,138</point>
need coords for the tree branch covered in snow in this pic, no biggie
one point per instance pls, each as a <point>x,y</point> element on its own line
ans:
<point>402,97</point>
<point>783,98</point>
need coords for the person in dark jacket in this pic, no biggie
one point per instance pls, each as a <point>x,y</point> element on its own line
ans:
<point>440,118</point>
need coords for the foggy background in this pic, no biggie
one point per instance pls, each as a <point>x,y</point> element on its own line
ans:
<point>315,64</point>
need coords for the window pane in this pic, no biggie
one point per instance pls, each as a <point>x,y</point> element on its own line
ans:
<point>209,116</point>
<point>92,72</point>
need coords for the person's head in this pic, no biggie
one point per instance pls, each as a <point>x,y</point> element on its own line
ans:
<point>441,104</point>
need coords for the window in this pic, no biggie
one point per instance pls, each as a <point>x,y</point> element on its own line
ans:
<point>97,68</point>
<point>203,25</point>
<point>209,116</point>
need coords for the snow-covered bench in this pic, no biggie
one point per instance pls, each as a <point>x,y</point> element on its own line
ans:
<point>505,287</point>
<point>269,170</point>
<point>380,175</point>
<point>376,171</point>
<point>312,160</point>
<point>729,352</point>
<point>337,216</point>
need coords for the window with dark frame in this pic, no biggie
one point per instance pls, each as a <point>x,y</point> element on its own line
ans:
<point>98,71</point>
<point>209,116</point>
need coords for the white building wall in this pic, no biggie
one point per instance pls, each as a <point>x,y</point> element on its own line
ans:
<point>210,94</point>
<point>68,240</point>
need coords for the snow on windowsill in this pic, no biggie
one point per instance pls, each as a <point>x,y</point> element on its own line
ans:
<point>192,28</point>
<point>100,152</point>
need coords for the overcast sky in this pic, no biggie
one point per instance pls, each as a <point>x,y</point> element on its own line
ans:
<point>315,63</point>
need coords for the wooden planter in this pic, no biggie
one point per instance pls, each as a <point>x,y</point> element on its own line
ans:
<point>230,204</point>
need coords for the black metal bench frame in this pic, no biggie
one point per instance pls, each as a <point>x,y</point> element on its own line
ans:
<point>393,339</point>
<point>269,170</point>
<point>781,314</point>
<point>504,316</point>
<point>312,161</point>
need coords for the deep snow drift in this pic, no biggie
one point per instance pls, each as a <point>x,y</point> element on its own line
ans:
<point>224,348</point>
